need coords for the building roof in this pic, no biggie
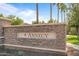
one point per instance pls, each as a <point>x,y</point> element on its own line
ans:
<point>4,19</point>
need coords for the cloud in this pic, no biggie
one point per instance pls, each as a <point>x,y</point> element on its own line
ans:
<point>8,7</point>
<point>27,15</point>
<point>26,12</point>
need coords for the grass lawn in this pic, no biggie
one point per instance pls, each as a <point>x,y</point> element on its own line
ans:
<point>72,39</point>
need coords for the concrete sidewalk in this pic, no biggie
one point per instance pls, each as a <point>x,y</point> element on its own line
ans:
<point>72,49</point>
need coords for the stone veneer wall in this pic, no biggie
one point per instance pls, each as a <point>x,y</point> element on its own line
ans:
<point>10,34</point>
<point>3,22</point>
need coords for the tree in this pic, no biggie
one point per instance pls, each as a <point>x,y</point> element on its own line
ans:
<point>58,12</point>
<point>40,22</point>
<point>37,13</point>
<point>74,17</point>
<point>60,9</point>
<point>34,22</point>
<point>50,10</point>
<point>63,9</point>
<point>1,15</point>
<point>15,20</point>
<point>51,21</point>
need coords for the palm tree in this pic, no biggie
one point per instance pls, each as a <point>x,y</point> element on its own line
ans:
<point>37,13</point>
<point>58,12</point>
<point>50,11</point>
<point>63,10</point>
<point>59,8</point>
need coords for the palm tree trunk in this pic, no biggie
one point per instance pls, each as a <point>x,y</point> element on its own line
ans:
<point>61,16</point>
<point>64,17</point>
<point>58,12</point>
<point>50,11</point>
<point>37,13</point>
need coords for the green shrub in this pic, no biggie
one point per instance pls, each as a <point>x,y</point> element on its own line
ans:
<point>72,39</point>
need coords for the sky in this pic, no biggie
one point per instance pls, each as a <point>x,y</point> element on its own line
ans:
<point>27,11</point>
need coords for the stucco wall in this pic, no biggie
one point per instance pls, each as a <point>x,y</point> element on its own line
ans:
<point>10,34</point>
